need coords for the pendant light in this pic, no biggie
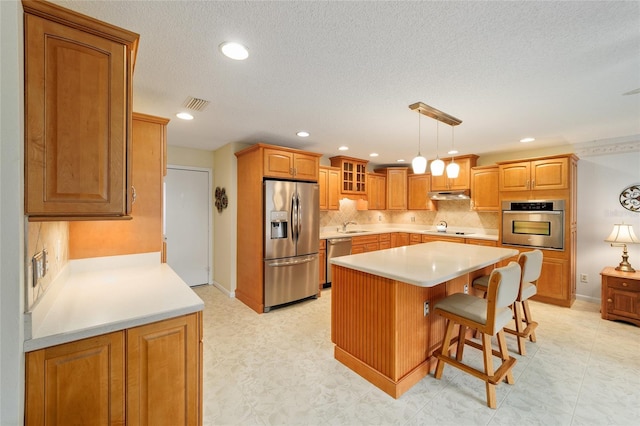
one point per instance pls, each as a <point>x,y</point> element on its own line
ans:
<point>419,163</point>
<point>453,169</point>
<point>437,165</point>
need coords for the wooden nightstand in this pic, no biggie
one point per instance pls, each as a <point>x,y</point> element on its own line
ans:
<point>620,295</point>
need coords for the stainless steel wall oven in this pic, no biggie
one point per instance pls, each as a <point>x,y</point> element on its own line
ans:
<point>533,223</point>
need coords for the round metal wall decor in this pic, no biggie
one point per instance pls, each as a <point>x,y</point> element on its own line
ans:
<point>630,198</point>
<point>221,199</point>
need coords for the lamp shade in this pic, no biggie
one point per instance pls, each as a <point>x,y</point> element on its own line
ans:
<point>419,164</point>
<point>622,233</point>
<point>437,167</point>
<point>453,169</point>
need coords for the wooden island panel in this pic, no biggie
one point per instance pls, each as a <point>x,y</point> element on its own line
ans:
<point>385,338</point>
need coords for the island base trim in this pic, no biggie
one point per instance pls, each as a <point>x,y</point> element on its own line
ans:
<point>392,388</point>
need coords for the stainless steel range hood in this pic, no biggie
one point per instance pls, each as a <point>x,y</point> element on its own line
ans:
<point>449,195</point>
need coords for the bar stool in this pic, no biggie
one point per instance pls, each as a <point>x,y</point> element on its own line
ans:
<point>488,316</point>
<point>531,264</point>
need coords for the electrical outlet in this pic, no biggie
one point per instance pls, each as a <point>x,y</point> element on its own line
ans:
<point>426,308</point>
<point>37,267</point>
<point>379,218</point>
<point>413,218</point>
<point>466,289</point>
<point>584,278</point>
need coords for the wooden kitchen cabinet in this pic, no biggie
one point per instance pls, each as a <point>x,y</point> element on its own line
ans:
<point>143,233</point>
<point>535,175</point>
<point>164,372</point>
<point>415,239</point>
<point>353,182</point>
<point>377,191</point>
<point>418,187</point>
<point>399,239</point>
<point>290,164</point>
<point>81,382</point>
<point>384,241</point>
<point>329,185</point>
<point>620,299</point>
<point>462,182</point>
<point>151,374</point>
<point>485,195</point>
<point>480,242</point>
<point>396,187</point>
<point>364,244</point>
<point>426,238</point>
<point>78,97</point>
<point>322,262</point>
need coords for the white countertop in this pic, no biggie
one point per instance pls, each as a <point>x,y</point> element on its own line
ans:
<point>101,295</point>
<point>456,232</point>
<point>427,264</point>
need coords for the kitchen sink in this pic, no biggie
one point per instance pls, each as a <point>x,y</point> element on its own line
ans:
<point>353,232</point>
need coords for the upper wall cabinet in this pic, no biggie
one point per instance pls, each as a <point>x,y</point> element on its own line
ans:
<point>353,176</point>
<point>484,189</point>
<point>418,189</point>
<point>540,174</point>
<point>290,164</point>
<point>78,76</point>
<point>396,187</point>
<point>463,181</point>
<point>329,185</point>
<point>377,191</point>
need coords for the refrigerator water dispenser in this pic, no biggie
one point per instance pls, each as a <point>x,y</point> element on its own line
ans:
<point>279,224</point>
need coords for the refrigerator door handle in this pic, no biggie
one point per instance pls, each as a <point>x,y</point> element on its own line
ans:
<point>294,218</point>
<point>300,216</point>
<point>291,262</point>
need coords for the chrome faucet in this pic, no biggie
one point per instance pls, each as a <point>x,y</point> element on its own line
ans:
<point>344,225</point>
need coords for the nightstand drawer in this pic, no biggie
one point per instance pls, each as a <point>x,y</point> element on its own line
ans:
<point>623,284</point>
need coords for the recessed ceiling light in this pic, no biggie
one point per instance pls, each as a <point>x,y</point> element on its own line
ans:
<point>234,50</point>
<point>343,148</point>
<point>452,152</point>
<point>527,140</point>
<point>373,154</point>
<point>303,134</point>
<point>184,116</point>
<point>400,160</point>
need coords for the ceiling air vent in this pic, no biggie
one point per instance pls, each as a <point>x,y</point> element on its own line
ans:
<point>195,104</point>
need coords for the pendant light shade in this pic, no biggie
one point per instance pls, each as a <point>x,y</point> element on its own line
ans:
<point>453,169</point>
<point>419,163</point>
<point>437,165</point>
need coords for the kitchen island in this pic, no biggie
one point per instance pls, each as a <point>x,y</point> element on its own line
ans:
<point>380,302</point>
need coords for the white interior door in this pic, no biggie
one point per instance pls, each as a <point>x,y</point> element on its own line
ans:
<point>187,223</point>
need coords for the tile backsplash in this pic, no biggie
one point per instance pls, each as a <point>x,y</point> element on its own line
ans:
<point>54,236</point>
<point>455,212</point>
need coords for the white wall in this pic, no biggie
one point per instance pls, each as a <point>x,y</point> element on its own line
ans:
<point>11,215</point>
<point>603,172</point>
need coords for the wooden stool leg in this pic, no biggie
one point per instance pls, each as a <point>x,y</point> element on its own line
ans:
<point>461,336</point>
<point>529,319</point>
<point>488,370</point>
<point>517,311</point>
<point>504,355</point>
<point>444,351</point>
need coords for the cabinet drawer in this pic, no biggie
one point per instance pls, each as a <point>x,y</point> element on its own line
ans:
<point>364,239</point>
<point>384,237</point>
<point>385,245</point>
<point>623,284</point>
<point>415,238</point>
<point>371,247</point>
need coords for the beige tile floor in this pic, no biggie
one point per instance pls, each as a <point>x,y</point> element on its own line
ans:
<point>278,369</point>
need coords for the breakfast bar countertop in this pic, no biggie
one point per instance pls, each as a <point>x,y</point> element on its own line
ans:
<point>101,295</point>
<point>455,232</point>
<point>425,265</point>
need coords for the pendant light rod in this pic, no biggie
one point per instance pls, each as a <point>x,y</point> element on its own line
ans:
<point>434,113</point>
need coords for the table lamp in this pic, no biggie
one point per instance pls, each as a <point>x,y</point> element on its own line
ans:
<point>622,235</point>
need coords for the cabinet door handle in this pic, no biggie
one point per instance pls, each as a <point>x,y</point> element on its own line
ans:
<point>134,194</point>
<point>625,284</point>
<point>533,183</point>
<point>609,300</point>
<point>528,187</point>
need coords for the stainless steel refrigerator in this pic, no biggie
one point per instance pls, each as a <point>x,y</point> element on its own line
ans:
<point>291,239</point>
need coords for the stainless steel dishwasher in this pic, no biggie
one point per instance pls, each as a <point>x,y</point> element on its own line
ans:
<point>336,247</point>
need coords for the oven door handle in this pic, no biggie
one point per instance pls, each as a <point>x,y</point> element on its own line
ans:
<point>554,212</point>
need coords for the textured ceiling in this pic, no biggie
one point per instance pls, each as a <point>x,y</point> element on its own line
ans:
<point>347,72</point>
